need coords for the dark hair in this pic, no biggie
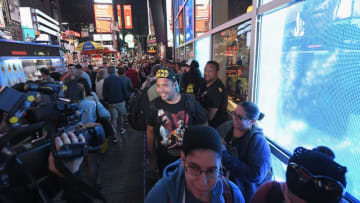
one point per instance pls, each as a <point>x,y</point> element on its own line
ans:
<point>44,71</point>
<point>121,71</point>
<point>86,86</point>
<point>78,66</point>
<point>70,65</point>
<point>325,150</point>
<point>319,164</point>
<point>80,92</point>
<point>201,137</point>
<point>111,69</point>
<point>90,67</point>
<point>193,76</point>
<point>252,110</point>
<point>216,64</point>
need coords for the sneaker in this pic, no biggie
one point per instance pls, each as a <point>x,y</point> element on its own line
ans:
<point>115,140</point>
<point>122,131</point>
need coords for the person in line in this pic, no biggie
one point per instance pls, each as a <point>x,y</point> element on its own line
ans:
<point>168,116</point>
<point>127,85</point>
<point>45,75</point>
<point>114,95</point>
<point>246,154</point>
<point>312,176</point>
<point>54,74</point>
<point>195,177</point>
<point>191,79</point>
<point>212,95</point>
<point>99,82</point>
<point>82,74</point>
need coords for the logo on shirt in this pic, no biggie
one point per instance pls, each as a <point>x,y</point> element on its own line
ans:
<point>172,129</point>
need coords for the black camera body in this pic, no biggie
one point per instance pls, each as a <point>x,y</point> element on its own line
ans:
<point>30,149</point>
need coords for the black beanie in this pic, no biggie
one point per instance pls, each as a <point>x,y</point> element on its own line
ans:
<point>201,137</point>
<point>319,164</point>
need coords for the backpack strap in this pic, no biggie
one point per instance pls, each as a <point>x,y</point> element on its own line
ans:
<point>190,106</point>
<point>275,194</point>
<point>227,191</point>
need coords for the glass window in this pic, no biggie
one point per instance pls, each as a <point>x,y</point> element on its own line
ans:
<point>189,51</point>
<point>308,79</point>
<point>177,34</point>
<point>180,55</point>
<point>189,20</point>
<point>181,28</point>
<point>266,1</point>
<point>225,10</point>
<point>231,49</point>
<point>202,16</point>
<point>176,7</point>
<point>202,52</point>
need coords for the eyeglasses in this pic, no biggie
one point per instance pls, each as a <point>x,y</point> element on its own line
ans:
<point>239,117</point>
<point>196,171</point>
<point>324,183</point>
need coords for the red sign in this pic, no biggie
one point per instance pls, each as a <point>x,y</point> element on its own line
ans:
<point>72,33</point>
<point>119,15</point>
<point>128,17</point>
<point>18,53</point>
<point>103,17</point>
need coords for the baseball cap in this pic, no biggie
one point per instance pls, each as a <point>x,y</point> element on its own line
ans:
<point>165,72</point>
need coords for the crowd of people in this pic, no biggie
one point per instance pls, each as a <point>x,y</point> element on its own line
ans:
<point>195,148</point>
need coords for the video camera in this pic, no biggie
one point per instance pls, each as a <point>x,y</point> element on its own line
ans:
<point>25,137</point>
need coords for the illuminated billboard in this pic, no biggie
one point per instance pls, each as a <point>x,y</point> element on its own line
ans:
<point>103,17</point>
<point>128,17</point>
<point>118,7</point>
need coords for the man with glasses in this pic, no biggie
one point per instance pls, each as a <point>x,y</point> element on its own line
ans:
<point>312,176</point>
<point>195,177</point>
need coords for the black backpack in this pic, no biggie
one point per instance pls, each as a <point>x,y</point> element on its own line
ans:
<point>137,106</point>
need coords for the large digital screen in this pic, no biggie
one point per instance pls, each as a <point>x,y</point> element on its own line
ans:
<point>308,84</point>
<point>128,17</point>
<point>103,17</point>
<point>189,20</point>
<point>118,8</point>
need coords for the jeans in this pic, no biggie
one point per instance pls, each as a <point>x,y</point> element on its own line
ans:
<point>118,112</point>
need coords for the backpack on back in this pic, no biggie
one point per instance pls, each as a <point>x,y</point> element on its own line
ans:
<point>137,107</point>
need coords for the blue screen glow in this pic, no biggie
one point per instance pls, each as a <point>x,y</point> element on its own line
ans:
<point>309,79</point>
<point>201,55</point>
<point>189,20</point>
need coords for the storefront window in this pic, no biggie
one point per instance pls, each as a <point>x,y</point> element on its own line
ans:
<point>189,20</point>
<point>265,1</point>
<point>189,51</point>
<point>181,28</point>
<point>180,55</point>
<point>308,79</point>
<point>202,52</point>
<point>177,34</point>
<point>202,16</point>
<point>226,10</point>
<point>231,49</point>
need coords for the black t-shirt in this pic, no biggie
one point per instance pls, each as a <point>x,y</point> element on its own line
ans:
<point>214,96</point>
<point>170,121</point>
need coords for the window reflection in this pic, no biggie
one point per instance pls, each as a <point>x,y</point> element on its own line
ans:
<point>181,28</point>
<point>189,51</point>
<point>202,16</point>
<point>189,19</point>
<point>232,51</point>
<point>309,78</point>
<point>225,10</point>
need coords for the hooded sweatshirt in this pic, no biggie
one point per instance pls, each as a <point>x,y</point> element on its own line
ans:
<point>171,188</point>
<point>247,158</point>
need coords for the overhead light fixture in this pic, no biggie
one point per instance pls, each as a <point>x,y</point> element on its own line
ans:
<point>64,23</point>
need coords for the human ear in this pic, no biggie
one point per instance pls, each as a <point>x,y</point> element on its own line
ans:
<point>182,156</point>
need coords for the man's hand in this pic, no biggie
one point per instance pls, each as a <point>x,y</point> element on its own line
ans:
<point>73,165</point>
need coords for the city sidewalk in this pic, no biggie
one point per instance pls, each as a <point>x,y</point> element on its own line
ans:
<point>121,171</point>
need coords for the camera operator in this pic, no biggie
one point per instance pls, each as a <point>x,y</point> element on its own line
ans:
<point>71,193</point>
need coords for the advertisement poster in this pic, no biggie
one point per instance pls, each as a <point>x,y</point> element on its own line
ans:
<point>128,17</point>
<point>103,17</point>
<point>11,73</point>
